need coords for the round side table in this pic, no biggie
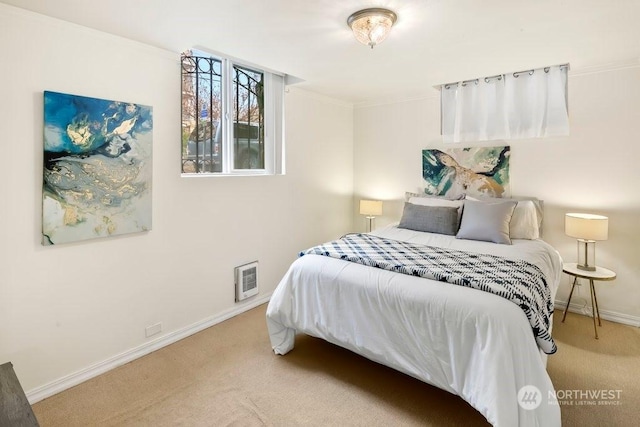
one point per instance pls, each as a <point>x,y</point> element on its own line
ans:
<point>600,273</point>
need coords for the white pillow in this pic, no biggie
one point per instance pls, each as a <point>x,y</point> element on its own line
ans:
<point>409,194</point>
<point>524,222</point>
<point>433,201</point>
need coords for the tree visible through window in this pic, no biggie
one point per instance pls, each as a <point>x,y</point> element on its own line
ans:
<point>248,118</point>
<point>223,115</point>
<point>201,113</point>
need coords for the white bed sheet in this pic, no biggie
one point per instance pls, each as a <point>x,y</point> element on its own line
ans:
<point>471,343</point>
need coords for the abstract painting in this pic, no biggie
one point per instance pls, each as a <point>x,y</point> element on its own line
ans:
<point>97,168</point>
<point>477,171</point>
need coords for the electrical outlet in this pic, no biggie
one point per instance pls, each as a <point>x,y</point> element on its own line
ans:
<point>153,330</point>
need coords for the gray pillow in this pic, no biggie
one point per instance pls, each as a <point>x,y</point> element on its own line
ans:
<point>539,204</point>
<point>432,219</point>
<point>488,222</point>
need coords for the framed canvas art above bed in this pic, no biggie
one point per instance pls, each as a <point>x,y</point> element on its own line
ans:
<point>476,171</point>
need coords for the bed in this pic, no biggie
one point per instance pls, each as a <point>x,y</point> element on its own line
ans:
<point>472,343</point>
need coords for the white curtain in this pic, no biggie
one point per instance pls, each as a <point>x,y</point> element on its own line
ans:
<point>529,104</point>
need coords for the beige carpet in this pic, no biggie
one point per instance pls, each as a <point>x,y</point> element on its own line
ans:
<point>228,376</point>
<point>583,363</point>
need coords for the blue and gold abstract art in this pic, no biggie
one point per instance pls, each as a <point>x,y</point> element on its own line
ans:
<point>97,168</point>
<point>476,171</point>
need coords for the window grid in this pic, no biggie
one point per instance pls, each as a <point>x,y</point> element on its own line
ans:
<point>223,119</point>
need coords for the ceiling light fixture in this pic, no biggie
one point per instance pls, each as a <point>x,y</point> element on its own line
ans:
<point>372,26</point>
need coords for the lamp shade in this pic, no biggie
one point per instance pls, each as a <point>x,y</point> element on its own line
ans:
<point>586,226</point>
<point>370,207</point>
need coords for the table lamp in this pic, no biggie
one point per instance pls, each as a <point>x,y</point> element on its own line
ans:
<point>587,228</point>
<point>370,208</point>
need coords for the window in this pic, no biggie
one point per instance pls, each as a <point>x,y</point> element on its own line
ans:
<point>232,117</point>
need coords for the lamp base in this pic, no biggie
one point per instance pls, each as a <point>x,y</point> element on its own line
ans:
<point>370,220</point>
<point>586,255</point>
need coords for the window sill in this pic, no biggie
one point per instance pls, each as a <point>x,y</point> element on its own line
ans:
<point>228,174</point>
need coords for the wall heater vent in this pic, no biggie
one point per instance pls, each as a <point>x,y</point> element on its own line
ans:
<point>246,281</point>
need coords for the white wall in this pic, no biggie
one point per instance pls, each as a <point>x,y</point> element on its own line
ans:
<point>594,170</point>
<point>65,308</point>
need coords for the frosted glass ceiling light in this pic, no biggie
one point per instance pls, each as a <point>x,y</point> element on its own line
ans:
<point>372,26</point>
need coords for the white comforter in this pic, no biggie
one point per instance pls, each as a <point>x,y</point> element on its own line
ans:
<point>471,343</point>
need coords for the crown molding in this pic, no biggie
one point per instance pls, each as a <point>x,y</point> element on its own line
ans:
<point>573,72</point>
<point>397,100</point>
<point>605,68</point>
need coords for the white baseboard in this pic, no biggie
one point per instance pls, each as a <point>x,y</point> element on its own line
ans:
<point>585,309</point>
<point>39,393</point>
<point>68,381</point>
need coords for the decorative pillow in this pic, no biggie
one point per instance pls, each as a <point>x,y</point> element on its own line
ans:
<point>408,195</point>
<point>438,201</point>
<point>488,222</point>
<point>432,219</point>
<point>524,222</point>
<point>527,217</point>
<point>435,201</point>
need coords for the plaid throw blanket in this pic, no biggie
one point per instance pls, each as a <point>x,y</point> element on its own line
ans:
<point>518,281</point>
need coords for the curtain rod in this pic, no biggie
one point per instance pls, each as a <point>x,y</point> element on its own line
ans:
<point>516,74</point>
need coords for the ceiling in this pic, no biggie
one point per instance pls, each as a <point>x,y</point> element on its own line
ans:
<point>433,41</point>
